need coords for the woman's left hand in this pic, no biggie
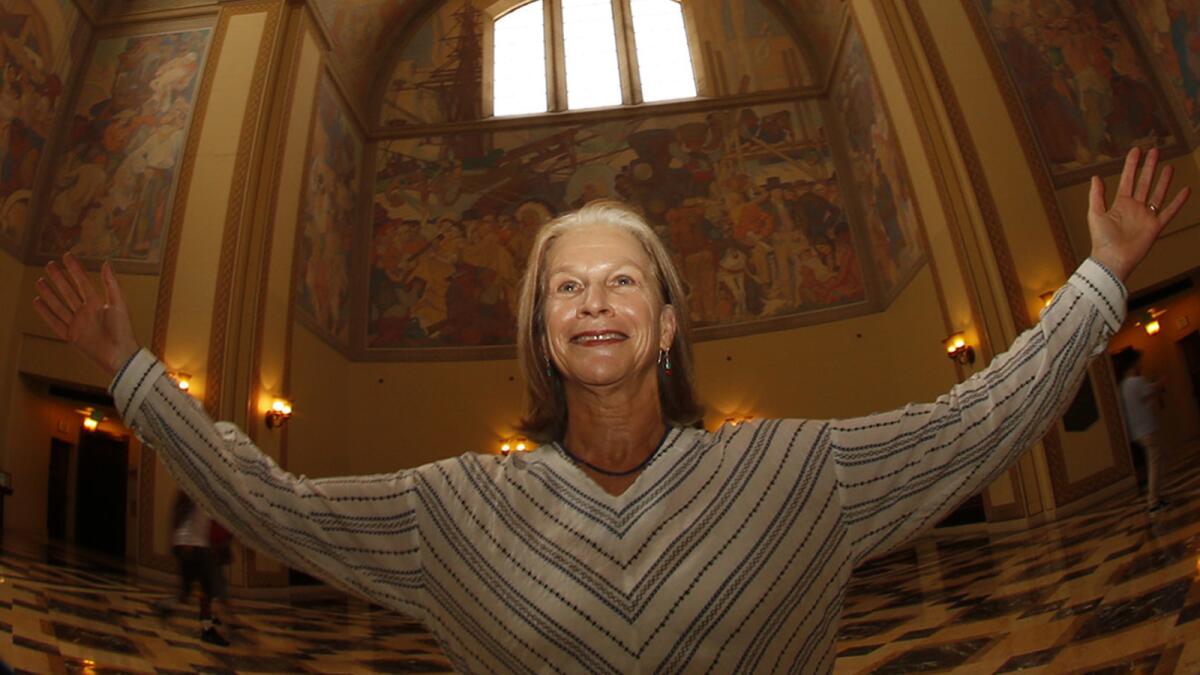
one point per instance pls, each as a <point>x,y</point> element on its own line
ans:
<point>1123,233</point>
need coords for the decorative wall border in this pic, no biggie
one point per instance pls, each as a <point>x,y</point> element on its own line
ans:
<point>920,103</point>
<point>162,306</point>
<point>236,209</point>
<point>1064,491</point>
<point>1101,376</point>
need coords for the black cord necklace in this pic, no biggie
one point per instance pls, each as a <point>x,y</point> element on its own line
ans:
<point>628,472</point>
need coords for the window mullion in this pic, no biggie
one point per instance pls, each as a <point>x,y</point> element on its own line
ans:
<point>627,62</point>
<point>556,62</point>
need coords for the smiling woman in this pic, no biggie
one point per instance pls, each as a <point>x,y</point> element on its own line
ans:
<point>630,541</point>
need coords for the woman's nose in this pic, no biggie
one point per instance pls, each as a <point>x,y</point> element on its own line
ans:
<point>595,301</point>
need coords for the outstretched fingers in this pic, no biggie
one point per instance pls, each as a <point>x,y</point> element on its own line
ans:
<point>79,278</point>
<point>1129,172</point>
<point>1165,215</point>
<point>63,288</point>
<point>51,318</point>
<point>1142,190</point>
<point>1096,196</point>
<point>112,290</point>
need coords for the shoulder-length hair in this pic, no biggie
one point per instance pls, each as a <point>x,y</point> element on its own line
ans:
<point>546,414</point>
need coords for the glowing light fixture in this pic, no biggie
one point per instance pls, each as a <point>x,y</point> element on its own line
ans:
<point>958,350</point>
<point>182,380</point>
<point>280,412</point>
<point>514,444</point>
<point>91,418</point>
<point>1046,298</point>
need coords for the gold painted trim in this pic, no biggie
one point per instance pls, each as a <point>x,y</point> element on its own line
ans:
<point>615,113</point>
<point>235,210</point>
<point>166,280</point>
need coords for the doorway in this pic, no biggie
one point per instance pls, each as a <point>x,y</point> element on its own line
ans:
<point>57,492</point>
<point>100,495</point>
<point>1189,345</point>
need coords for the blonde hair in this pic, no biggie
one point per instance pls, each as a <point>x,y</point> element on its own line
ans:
<point>546,414</point>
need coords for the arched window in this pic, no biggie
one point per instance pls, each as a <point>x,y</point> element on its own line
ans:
<point>553,55</point>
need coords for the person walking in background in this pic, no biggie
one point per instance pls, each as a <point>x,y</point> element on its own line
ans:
<point>190,545</point>
<point>1139,396</point>
<point>220,555</point>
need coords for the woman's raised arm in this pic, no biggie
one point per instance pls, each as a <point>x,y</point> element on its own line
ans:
<point>362,533</point>
<point>901,471</point>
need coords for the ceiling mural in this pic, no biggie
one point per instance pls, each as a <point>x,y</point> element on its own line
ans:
<point>358,29</point>
<point>438,76</point>
<point>747,49</point>
<point>1171,28</point>
<point>820,24</point>
<point>1088,94</point>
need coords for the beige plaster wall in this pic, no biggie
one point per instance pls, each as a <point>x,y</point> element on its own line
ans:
<point>357,418</point>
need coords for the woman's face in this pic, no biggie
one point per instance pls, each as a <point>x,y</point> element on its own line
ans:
<point>605,323</point>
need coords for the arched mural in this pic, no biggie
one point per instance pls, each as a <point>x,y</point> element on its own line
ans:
<point>327,219</point>
<point>112,188</point>
<point>35,48</point>
<point>1172,30</point>
<point>1087,91</point>
<point>747,198</point>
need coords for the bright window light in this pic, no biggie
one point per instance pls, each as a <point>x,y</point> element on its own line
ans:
<point>590,47</point>
<point>519,72</point>
<point>664,62</point>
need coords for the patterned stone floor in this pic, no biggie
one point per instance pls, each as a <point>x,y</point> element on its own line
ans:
<point>1111,590</point>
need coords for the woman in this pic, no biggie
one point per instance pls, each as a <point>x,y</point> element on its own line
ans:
<point>631,541</point>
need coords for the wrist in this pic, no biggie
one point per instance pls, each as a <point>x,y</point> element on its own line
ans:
<point>1118,267</point>
<point>121,356</point>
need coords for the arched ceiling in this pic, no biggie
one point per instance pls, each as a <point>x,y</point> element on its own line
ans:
<point>364,32</point>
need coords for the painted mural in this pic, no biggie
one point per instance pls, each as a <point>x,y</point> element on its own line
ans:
<point>1172,30</point>
<point>821,22</point>
<point>439,74</point>
<point>327,217</point>
<point>112,189</point>
<point>747,49</point>
<point>35,48</point>
<point>879,173</point>
<point>746,198</point>
<point>358,29</point>
<point>1085,88</point>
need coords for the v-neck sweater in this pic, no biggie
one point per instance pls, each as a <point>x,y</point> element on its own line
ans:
<point>730,552</point>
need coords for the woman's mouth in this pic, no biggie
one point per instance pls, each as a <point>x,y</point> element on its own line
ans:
<point>592,338</point>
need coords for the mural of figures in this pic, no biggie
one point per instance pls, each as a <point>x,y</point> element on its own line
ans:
<point>113,188</point>
<point>1084,86</point>
<point>35,49</point>
<point>822,25</point>
<point>746,199</point>
<point>327,217</point>
<point>749,50</point>
<point>357,30</point>
<point>1172,29</point>
<point>439,75</point>
<point>879,171</point>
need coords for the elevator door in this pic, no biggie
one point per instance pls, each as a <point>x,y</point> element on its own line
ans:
<point>100,493</point>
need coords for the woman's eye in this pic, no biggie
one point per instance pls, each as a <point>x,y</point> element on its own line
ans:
<point>568,287</point>
<point>624,281</point>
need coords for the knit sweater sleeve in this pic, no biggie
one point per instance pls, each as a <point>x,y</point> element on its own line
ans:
<point>901,471</point>
<point>361,533</point>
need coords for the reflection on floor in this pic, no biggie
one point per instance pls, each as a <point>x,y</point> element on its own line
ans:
<point>1108,591</point>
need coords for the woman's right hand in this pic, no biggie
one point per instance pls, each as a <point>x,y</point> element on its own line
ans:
<point>97,325</point>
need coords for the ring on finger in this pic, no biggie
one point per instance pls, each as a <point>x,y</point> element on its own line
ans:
<point>1153,208</point>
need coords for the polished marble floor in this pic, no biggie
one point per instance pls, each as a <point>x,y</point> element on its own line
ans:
<point>1111,590</point>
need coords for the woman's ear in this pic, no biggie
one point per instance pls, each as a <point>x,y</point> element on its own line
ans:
<point>667,325</point>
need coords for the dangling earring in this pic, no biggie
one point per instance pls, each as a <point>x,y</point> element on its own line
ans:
<point>549,368</point>
<point>664,359</point>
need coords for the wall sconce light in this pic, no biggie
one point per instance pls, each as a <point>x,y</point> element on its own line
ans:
<point>182,380</point>
<point>91,418</point>
<point>514,444</point>
<point>1152,327</point>
<point>1046,298</point>
<point>958,350</point>
<point>280,412</point>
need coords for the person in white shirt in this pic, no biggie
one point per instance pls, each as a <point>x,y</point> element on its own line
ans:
<point>193,553</point>
<point>1139,397</point>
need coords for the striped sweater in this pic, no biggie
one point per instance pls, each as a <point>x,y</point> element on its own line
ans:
<point>731,551</point>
